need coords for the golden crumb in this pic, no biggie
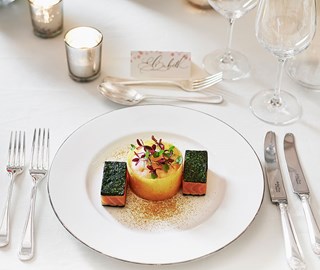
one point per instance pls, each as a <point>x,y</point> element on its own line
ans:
<point>179,212</point>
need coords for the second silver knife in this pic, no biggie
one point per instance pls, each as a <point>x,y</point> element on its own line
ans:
<point>300,187</point>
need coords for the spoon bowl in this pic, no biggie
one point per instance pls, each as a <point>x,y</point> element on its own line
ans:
<point>125,95</point>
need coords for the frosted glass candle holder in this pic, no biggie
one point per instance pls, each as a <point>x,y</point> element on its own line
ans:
<point>46,17</point>
<point>84,49</point>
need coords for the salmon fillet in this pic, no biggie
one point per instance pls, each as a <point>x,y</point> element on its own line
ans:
<point>107,200</point>
<point>194,188</point>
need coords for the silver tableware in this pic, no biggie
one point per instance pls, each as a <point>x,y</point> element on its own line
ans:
<point>15,166</point>
<point>278,196</point>
<point>300,187</point>
<point>187,85</point>
<point>39,165</point>
<point>124,95</point>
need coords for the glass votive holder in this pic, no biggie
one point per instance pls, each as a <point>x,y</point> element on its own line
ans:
<point>84,49</point>
<point>46,17</point>
<point>5,2</point>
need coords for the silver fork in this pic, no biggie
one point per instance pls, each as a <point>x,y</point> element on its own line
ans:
<point>187,85</point>
<point>39,165</point>
<point>15,166</point>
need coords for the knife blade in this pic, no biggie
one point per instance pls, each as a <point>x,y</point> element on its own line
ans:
<point>300,187</point>
<point>278,196</point>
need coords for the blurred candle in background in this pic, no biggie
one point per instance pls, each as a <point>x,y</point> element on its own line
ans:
<point>5,2</point>
<point>83,48</point>
<point>46,17</point>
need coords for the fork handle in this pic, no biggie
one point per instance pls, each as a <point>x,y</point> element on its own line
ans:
<point>137,82</point>
<point>26,250</point>
<point>5,221</point>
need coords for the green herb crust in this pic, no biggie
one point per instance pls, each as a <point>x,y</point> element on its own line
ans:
<point>195,166</point>
<point>114,178</point>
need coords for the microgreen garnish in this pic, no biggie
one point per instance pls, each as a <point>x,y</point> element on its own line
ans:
<point>154,156</point>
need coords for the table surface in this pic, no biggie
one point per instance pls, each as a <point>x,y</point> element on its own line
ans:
<point>36,91</point>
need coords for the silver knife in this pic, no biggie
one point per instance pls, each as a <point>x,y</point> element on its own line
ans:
<point>278,196</point>
<point>300,187</point>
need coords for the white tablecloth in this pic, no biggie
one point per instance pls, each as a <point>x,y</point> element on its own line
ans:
<point>36,91</point>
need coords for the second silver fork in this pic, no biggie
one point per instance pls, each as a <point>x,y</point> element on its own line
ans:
<point>15,166</point>
<point>39,165</point>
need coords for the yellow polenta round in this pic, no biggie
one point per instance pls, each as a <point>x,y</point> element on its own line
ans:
<point>165,186</point>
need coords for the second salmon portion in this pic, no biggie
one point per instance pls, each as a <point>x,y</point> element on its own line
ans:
<point>195,172</point>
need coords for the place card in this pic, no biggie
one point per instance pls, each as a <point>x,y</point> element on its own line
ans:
<point>160,64</point>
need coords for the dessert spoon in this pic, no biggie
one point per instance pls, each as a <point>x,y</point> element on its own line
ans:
<point>124,95</point>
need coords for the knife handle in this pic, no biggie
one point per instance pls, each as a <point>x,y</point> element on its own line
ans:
<point>312,224</point>
<point>292,248</point>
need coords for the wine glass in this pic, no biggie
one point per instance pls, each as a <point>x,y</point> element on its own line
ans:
<point>285,28</point>
<point>233,64</point>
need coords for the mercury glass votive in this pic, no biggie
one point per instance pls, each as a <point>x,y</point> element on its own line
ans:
<point>83,48</point>
<point>46,17</point>
<point>5,2</point>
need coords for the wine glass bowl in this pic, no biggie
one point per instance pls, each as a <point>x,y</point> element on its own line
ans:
<point>232,9</point>
<point>285,33</point>
<point>232,63</point>
<point>285,28</point>
<point>305,67</point>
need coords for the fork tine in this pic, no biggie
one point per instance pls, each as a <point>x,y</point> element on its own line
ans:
<point>12,159</point>
<point>46,160</point>
<point>10,151</point>
<point>42,147</point>
<point>18,149</point>
<point>208,83</point>
<point>15,149</point>
<point>210,78</point>
<point>23,149</point>
<point>39,160</point>
<point>33,148</point>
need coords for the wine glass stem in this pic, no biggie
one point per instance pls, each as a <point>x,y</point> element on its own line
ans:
<point>276,100</point>
<point>231,23</point>
<point>227,57</point>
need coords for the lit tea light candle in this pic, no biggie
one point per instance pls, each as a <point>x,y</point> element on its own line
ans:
<point>83,48</point>
<point>46,17</point>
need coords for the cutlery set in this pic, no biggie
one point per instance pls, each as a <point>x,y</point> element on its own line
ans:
<point>187,85</point>
<point>278,196</point>
<point>118,90</point>
<point>39,165</point>
<point>121,94</point>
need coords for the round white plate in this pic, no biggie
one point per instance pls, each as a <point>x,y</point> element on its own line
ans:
<point>179,230</point>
